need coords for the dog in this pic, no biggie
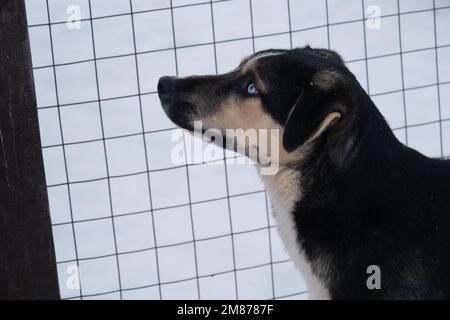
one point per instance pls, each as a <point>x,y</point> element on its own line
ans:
<point>362,215</point>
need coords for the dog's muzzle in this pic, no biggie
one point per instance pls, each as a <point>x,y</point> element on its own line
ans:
<point>176,108</point>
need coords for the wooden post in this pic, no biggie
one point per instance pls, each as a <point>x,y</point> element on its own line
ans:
<point>27,258</point>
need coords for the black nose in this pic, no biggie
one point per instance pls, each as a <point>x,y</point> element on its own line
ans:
<point>166,85</point>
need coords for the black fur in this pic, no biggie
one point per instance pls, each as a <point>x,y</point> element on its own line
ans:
<point>374,202</point>
<point>367,199</point>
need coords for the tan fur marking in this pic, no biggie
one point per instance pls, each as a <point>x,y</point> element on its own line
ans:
<point>329,120</point>
<point>247,114</point>
<point>248,68</point>
<point>251,68</point>
<point>244,114</point>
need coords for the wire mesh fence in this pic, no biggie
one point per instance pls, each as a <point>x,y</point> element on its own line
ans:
<point>128,222</point>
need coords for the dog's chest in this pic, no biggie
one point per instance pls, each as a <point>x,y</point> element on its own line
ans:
<point>284,191</point>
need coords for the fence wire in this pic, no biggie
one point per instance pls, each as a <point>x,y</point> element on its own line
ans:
<point>130,224</point>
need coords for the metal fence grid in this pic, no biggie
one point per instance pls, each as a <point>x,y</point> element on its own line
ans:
<point>135,226</point>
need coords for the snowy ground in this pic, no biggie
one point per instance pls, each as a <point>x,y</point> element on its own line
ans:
<point>103,129</point>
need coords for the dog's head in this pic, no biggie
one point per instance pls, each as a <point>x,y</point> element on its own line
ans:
<point>307,94</point>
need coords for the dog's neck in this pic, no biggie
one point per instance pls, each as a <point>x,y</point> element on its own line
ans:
<point>285,192</point>
<point>284,186</point>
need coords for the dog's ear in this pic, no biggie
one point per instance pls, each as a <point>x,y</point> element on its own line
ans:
<point>317,110</point>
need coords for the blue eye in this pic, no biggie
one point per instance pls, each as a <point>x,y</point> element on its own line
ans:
<point>251,89</point>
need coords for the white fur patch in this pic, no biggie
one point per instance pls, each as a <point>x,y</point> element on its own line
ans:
<point>284,192</point>
<point>269,53</point>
